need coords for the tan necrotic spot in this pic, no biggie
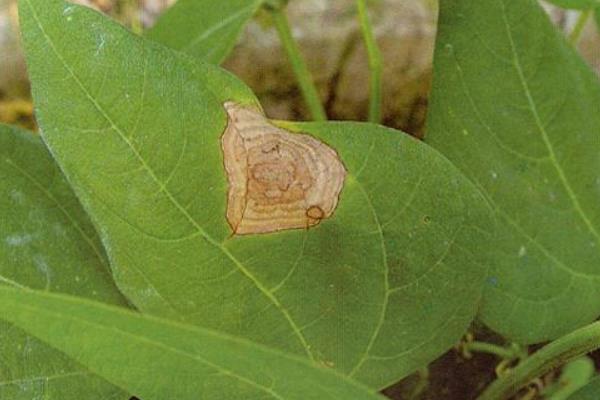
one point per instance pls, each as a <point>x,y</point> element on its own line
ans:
<point>277,179</point>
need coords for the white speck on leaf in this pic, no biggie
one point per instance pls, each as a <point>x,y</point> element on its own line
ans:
<point>494,175</point>
<point>101,43</point>
<point>522,251</point>
<point>59,230</point>
<point>44,269</point>
<point>17,196</point>
<point>68,10</point>
<point>18,240</point>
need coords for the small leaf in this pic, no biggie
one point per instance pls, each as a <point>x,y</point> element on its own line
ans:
<point>574,375</point>
<point>515,108</point>
<point>386,282</point>
<point>46,242</point>
<point>576,4</point>
<point>207,29</point>
<point>591,391</point>
<point>159,359</point>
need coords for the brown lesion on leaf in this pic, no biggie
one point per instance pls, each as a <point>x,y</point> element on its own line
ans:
<point>277,179</point>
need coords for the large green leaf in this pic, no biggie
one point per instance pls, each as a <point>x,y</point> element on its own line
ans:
<point>160,359</point>
<point>591,391</point>
<point>516,109</point>
<point>46,242</point>
<point>377,291</point>
<point>207,29</point>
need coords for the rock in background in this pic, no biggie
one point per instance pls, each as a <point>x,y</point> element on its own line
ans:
<point>329,37</point>
<point>13,77</point>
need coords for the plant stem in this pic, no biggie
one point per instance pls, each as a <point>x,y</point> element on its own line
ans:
<point>375,62</point>
<point>575,34</point>
<point>553,355</point>
<point>421,384</point>
<point>307,87</point>
<point>483,347</point>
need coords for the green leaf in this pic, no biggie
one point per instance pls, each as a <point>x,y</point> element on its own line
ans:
<point>46,242</point>
<point>576,4</point>
<point>591,391</point>
<point>574,376</point>
<point>387,284</point>
<point>515,108</point>
<point>207,29</point>
<point>160,359</point>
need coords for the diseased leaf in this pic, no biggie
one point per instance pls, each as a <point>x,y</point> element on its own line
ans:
<point>160,359</point>
<point>576,4</point>
<point>591,391</point>
<point>207,29</point>
<point>47,243</point>
<point>387,282</point>
<point>516,109</point>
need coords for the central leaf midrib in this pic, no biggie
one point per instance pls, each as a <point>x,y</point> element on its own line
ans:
<point>174,201</point>
<point>215,28</point>
<point>489,198</point>
<point>544,134</point>
<point>158,344</point>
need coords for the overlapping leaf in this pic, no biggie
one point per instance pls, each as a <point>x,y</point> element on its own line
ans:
<point>207,29</point>
<point>591,391</point>
<point>377,291</point>
<point>159,359</point>
<point>516,109</point>
<point>48,243</point>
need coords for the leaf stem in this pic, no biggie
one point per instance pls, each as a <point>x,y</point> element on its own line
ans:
<point>575,34</point>
<point>305,81</point>
<point>421,384</point>
<point>375,62</point>
<point>507,353</point>
<point>551,356</point>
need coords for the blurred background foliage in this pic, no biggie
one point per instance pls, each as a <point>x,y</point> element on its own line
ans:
<point>330,40</point>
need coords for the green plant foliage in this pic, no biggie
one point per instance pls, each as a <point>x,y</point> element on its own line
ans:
<point>574,376</point>
<point>515,108</point>
<point>591,391</point>
<point>126,347</point>
<point>377,291</point>
<point>47,243</point>
<point>207,29</point>
<point>576,4</point>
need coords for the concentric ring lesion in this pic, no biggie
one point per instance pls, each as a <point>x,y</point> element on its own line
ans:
<point>278,180</point>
